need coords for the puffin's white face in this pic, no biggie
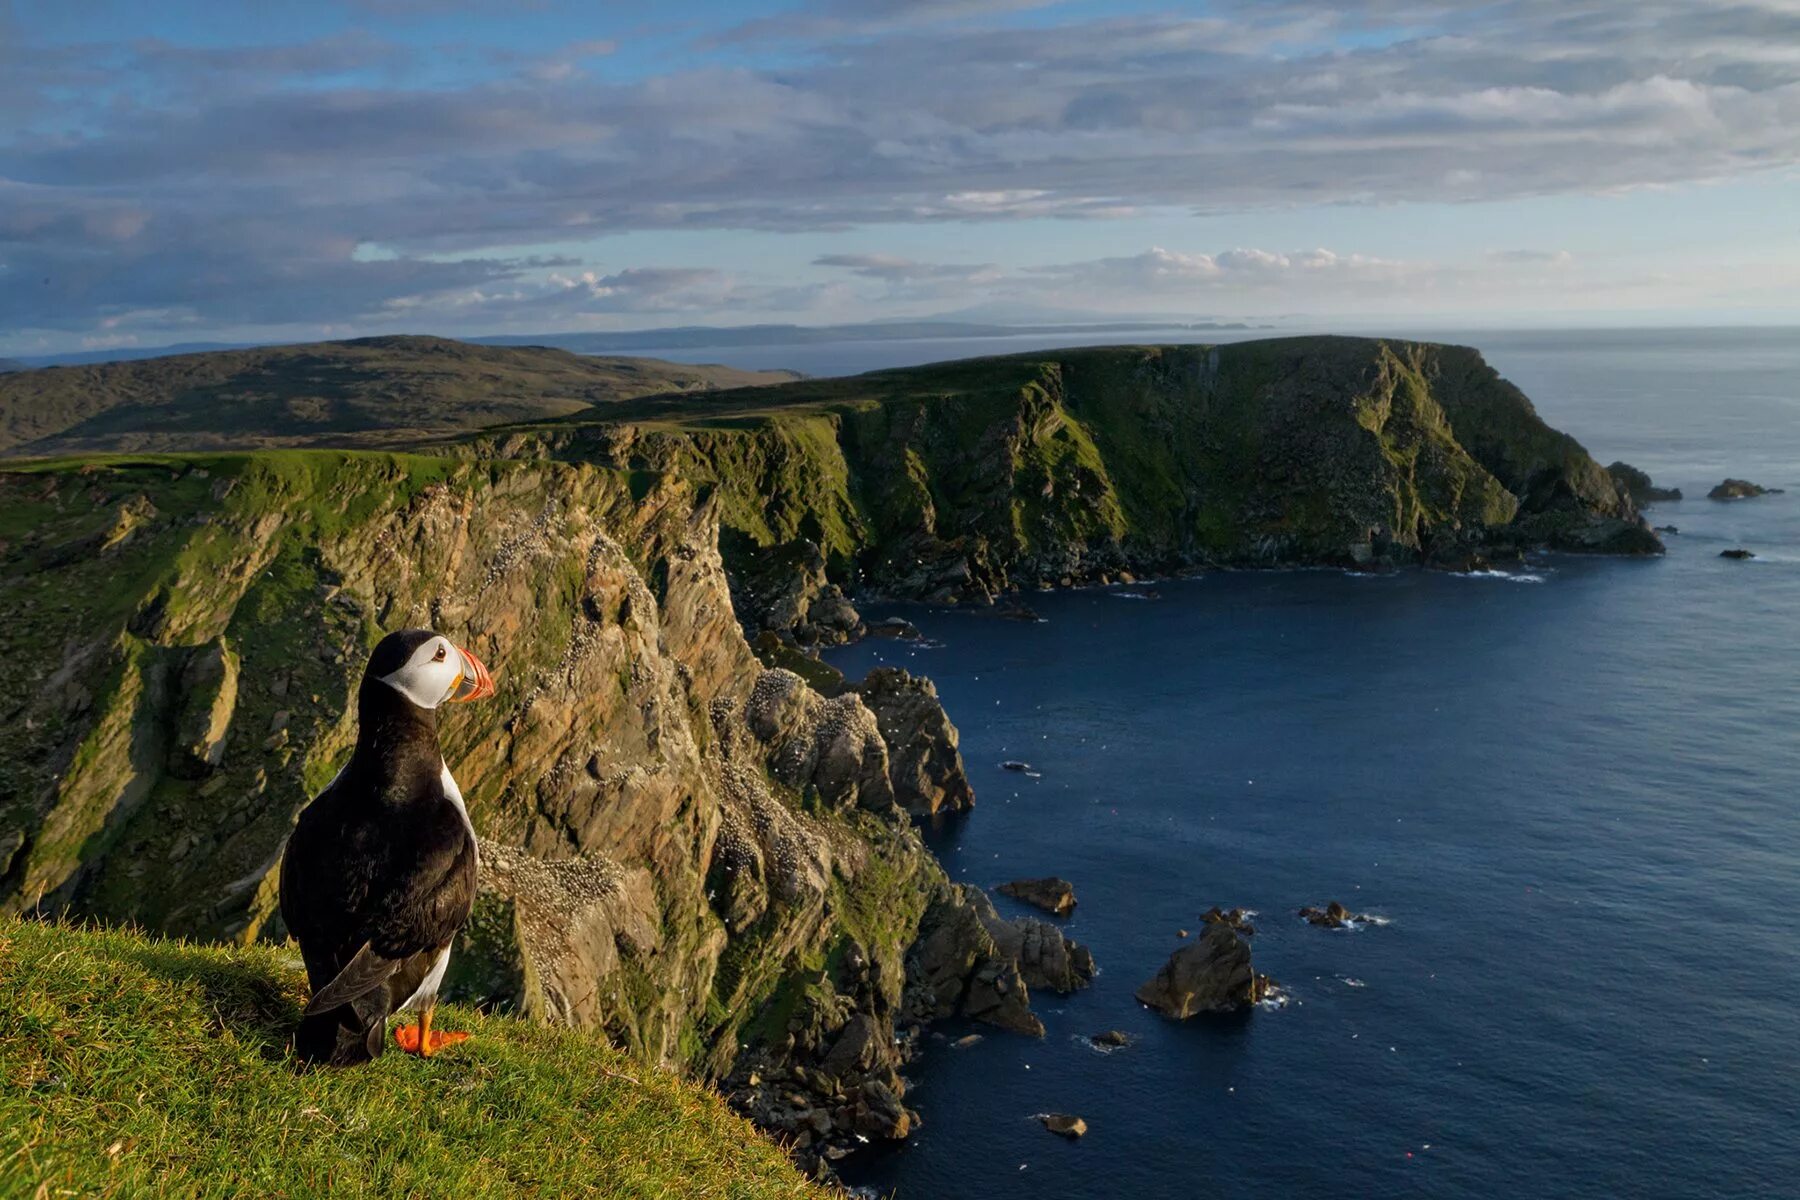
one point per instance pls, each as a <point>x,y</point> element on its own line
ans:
<point>438,670</point>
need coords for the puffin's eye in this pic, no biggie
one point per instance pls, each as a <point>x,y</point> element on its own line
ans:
<point>439,656</point>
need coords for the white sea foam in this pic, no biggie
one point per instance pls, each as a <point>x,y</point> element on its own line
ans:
<point>1502,576</point>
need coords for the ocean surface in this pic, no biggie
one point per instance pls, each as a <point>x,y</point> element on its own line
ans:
<point>1573,791</point>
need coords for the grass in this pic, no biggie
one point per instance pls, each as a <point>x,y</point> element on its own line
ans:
<point>382,391</point>
<point>136,1067</point>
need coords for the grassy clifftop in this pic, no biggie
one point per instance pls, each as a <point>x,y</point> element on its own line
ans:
<point>968,478</point>
<point>133,1067</point>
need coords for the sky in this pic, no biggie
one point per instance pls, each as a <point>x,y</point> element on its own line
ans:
<point>232,171</point>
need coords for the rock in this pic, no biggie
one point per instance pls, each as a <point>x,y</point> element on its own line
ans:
<point>1589,534</point>
<point>925,766</point>
<point>1013,764</point>
<point>1740,552</point>
<point>1211,974</point>
<point>785,589</point>
<point>1112,1039</point>
<point>895,627</point>
<point>834,746</point>
<point>1638,486</point>
<point>1046,958</point>
<point>964,1042</point>
<point>1665,529</point>
<point>1181,933</point>
<point>854,1048</point>
<point>208,689</point>
<point>969,961</point>
<point>1017,610</point>
<point>1237,919</point>
<point>1333,916</point>
<point>1740,489</point>
<point>1052,894</point>
<point>544,931</point>
<point>879,1114</point>
<point>1064,1125</point>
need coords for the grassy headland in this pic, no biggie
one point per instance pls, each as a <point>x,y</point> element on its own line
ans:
<point>139,1067</point>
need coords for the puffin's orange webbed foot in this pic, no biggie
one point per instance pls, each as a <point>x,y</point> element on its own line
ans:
<point>407,1038</point>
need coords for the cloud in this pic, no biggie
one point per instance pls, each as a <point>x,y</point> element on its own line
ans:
<point>206,183</point>
<point>901,271</point>
<point>1557,258</point>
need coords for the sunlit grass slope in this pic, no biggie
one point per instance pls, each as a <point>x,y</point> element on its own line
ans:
<point>131,1067</point>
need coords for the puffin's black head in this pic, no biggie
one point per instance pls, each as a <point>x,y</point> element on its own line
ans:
<point>427,668</point>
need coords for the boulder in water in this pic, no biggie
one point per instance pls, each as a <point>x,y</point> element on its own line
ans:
<point>1332,916</point>
<point>1739,552</point>
<point>1210,974</point>
<point>1064,1125</point>
<point>1740,489</point>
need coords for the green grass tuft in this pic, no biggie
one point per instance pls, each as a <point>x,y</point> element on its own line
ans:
<point>136,1067</point>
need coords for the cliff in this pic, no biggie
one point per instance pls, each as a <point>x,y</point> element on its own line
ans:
<point>964,480</point>
<point>702,849</point>
<point>693,853</point>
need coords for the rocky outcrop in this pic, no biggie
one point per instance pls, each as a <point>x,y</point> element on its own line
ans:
<point>546,935</point>
<point>1740,489</point>
<point>1064,1125</point>
<point>1332,916</point>
<point>1638,485</point>
<point>925,764</point>
<point>831,749</point>
<point>1052,894</point>
<point>787,590</point>
<point>1738,552</point>
<point>1237,919</point>
<point>970,962</point>
<point>1211,974</point>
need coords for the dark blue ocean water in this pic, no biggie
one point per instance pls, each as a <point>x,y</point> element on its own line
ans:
<point>1575,794</point>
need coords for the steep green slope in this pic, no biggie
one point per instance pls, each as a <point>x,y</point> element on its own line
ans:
<point>138,1067</point>
<point>382,391</point>
<point>963,480</point>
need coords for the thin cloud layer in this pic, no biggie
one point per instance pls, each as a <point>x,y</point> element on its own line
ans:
<point>146,183</point>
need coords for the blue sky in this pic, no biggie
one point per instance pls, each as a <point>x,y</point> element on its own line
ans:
<point>237,172</point>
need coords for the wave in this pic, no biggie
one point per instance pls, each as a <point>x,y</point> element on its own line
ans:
<point>1503,576</point>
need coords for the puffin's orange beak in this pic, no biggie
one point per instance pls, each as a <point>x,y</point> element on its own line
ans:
<point>474,683</point>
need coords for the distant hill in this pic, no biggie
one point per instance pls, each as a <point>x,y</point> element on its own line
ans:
<point>690,337</point>
<point>368,392</point>
<point>10,364</point>
<point>979,322</point>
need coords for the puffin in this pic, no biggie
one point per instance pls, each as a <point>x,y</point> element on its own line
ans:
<point>379,872</point>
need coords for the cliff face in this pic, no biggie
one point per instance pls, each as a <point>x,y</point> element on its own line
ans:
<point>964,480</point>
<point>703,850</point>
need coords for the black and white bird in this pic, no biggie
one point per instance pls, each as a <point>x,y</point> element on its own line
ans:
<point>379,873</point>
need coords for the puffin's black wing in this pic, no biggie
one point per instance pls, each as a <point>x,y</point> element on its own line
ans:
<point>432,898</point>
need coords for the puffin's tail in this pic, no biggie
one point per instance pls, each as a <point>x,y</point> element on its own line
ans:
<point>346,1035</point>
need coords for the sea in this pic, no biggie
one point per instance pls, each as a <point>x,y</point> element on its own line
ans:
<point>1569,790</point>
